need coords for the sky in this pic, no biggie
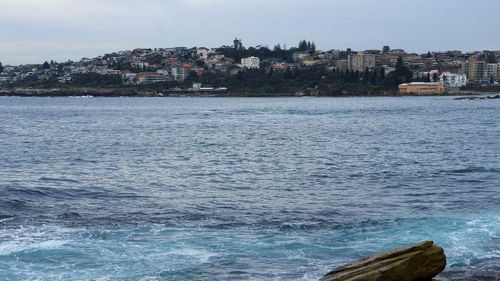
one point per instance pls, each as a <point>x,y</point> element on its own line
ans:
<point>33,31</point>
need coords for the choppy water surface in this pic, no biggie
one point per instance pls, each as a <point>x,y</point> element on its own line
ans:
<point>243,189</point>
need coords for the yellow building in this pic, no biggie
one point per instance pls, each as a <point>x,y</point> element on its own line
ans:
<point>421,88</point>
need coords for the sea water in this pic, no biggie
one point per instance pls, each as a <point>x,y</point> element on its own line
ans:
<point>244,188</point>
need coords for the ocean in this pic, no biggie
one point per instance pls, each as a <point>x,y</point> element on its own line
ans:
<point>244,188</point>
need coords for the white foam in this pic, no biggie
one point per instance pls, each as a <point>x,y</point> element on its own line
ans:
<point>11,247</point>
<point>202,256</point>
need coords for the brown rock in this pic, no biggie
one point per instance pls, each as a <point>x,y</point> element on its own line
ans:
<point>420,262</point>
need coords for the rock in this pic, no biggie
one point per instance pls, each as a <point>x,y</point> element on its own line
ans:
<point>420,262</point>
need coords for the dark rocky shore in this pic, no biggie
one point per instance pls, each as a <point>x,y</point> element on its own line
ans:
<point>138,92</point>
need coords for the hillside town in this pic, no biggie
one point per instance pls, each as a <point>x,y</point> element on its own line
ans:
<point>449,69</point>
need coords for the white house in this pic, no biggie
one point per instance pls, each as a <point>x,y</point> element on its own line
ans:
<point>453,79</point>
<point>250,62</point>
<point>203,52</point>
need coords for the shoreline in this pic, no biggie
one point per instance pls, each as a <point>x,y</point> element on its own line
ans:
<point>138,93</point>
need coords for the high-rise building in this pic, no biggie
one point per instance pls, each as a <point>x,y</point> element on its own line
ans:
<point>492,71</point>
<point>475,69</point>
<point>363,60</point>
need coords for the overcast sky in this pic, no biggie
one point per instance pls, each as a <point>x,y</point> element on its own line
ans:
<point>32,31</point>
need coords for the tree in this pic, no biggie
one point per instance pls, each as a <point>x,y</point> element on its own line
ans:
<point>1,67</point>
<point>305,45</point>
<point>382,74</point>
<point>95,79</point>
<point>492,81</point>
<point>271,71</point>
<point>200,63</point>
<point>402,74</point>
<point>429,55</point>
<point>491,58</point>
<point>366,75</point>
<point>45,65</point>
<point>427,78</point>
<point>302,46</point>
<point>435,77</point>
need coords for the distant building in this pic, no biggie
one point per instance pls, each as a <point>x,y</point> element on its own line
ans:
<point>4,79</point>
<point>386,49</point>
<point>342,65</point>
<point>397,51</point>
<point>453,79</point>
<point>299,56</point>
<point>279,67</point>
<point>475,69</point>
<point>421,88</point>
<point>250,63</point>
<point>492,71</point>
<point>180,73</point>
<point>202,52</point>
<point>363,60</point>
<point>149,77</point>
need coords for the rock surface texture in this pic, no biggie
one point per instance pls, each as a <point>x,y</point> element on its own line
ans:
<point>420,262</point>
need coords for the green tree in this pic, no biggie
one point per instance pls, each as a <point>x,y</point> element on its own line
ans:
<point>366,76</point>
<point>373,77</point>
<point>427,78</point>
<point>435,77</point>
<point>402,74</point>
<point>382,74</point>
<point>491,58</point>
<point>302,46</point>
<point>200,63</point>
<point>95,79</point>
<point>45,65</point>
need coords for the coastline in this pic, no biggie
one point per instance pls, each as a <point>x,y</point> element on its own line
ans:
<point>131,92</point>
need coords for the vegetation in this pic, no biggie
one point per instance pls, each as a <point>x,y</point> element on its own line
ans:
<point>46,65</point>
<point>277,52</point>
<point>1,67</point>
<point>402,74</point>
<point>491,58</point>
<point>312,79</point>
<point>96,80</point>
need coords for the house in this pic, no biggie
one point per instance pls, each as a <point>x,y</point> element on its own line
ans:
<point>453,80</point>
<point>250,63</point>
<point>202,52</point>
<point>299,56</point>
<point>279,67</point>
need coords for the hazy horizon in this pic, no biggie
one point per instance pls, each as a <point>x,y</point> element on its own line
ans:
<point>33,32</point>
